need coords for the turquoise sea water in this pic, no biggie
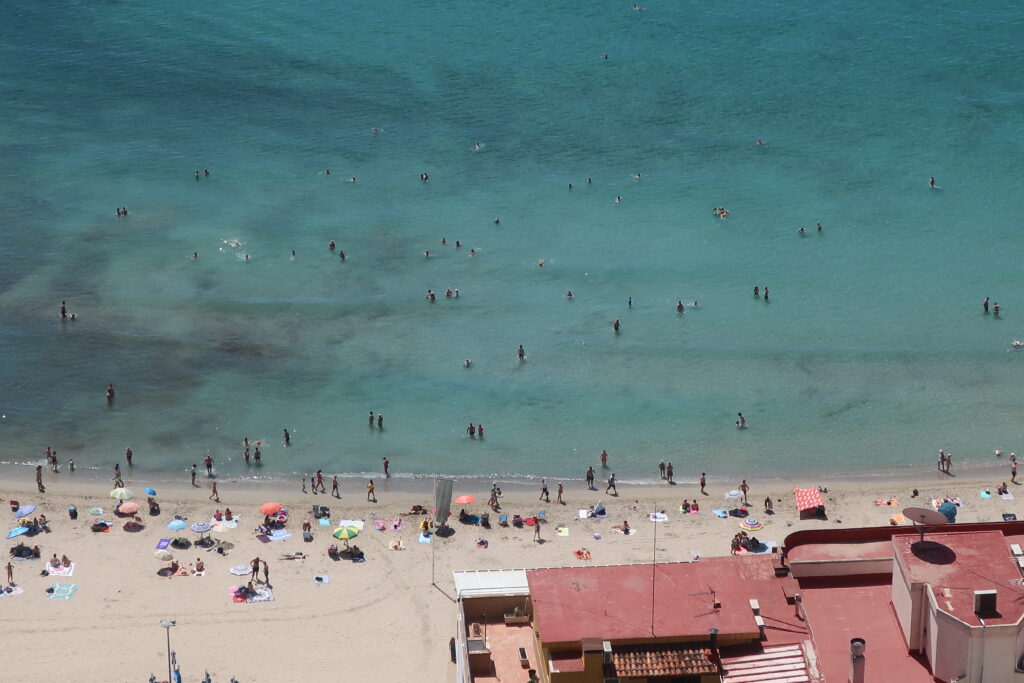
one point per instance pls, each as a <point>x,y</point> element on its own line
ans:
<point>873,351</point>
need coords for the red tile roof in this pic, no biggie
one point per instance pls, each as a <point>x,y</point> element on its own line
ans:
<point>645,661</point>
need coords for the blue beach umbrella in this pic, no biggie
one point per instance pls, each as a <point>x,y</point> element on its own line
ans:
<point>201,527</point>
<point>948,509</point>
<point>177,524</point>
<point>17,531</point>
<point>150,492</point>
<point>24,511</point>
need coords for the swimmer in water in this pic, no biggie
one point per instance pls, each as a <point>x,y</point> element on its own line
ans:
<point>801,230</point>
<point>195,255</point>
<point>458,244</point>
<point>618,200</point>
<point>444,240</point>
<point>351,180</point>
<point>375,130</point>
<point>431,296</point>
<point>292,257</point>
<point>1018,344</point>
<point>426,254</point>
<point>521,352</point>
<point>472,252</point>
<point>589,181</point>
<point>466,363</point>
<point>456,292</point>
<point>568,295</point>
<point>931,182</point>
<point>341,255</point>
<point>246,258</point>
<point>819,227</point>
<point>636,176</point>
<point>497,221</point>
<point>206,171</point>
<point>696,304</point>
<point>761,143</point>
<point>477,146</point>
<point>331,245</point>
<point>540,263</point>
<point>615,325</point>
<point>680,309</point>
<point>327,171</point>
<point>570,186</point>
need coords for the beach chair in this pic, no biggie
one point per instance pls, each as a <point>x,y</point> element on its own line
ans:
<point>503,520</point>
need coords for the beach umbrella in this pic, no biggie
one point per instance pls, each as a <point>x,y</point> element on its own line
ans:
<point>948,509</point>
<point>345,532</point>
<point>17,531</point>
<point>164,555</point>
<point>734,495</point>
<point>751,524</point>
<point>24,511</point>
<point>150,492</point>
<point>129,508</point>
<point>96,511</point>
<point>177,525</point>
<point>464,500</point>
<point>219,528</point>
<point>201,527</point>
<point>270,508</point>
<point>121,494</point>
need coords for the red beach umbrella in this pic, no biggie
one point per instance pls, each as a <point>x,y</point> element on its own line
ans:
<point>270,508</point>
<point>465,500</point>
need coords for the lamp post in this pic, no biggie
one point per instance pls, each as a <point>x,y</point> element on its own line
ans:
<point>167,624</point>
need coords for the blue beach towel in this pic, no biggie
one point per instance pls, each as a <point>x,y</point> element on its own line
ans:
<point>424,538</point>
<point>324,521</point>
<point>63,591</point>
<point>720,513</point>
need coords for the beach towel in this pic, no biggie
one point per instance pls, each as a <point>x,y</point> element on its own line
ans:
<point>263,538</point>
<point>62,591</point>
<point>1006,496</point>
<point>357,523</point>
<point>694,511</point>
<point>262,594</point>
<point>240,570</point>
<point>164,542</point>
<point>890,502</point>
<point>481,544</point>
<point>279,535</point>
<point>763,548</point>
<point>562,531</point>
<point>322,578</point>
<point>581,554</point>
<point>233,524</point>
<point>584,514</point>
<point>985,494</point>
<point>658,517</point>
<point>720,513</point>
<point>379,525</point>
<point>324,521</point>
<point>61,571</point>
<point>396,524</point>
<point>897,519</point>
<point>17,590</point>
<point>424,538</point>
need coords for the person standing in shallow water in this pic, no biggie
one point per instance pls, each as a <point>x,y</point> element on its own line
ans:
<point>604,459</point>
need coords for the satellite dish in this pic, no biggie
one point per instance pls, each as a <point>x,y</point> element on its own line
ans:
<point>924,517</point>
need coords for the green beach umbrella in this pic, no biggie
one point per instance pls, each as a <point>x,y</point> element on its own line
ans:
<point>345,532</point>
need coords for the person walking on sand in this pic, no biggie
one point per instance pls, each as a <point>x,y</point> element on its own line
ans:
<point>703,482</point>
<point>743,489</point>
<point>39,479</point>
<point>1013,472</point>
<point>544,491</point>
<point>590,478</point>
<point>213,492</point>
<point>536,528</point>
<point>560,489</point>
<point>386,463</point>
<point>320,481</point>
<point>370,495</point>
<point>611,485</point>
<point>334,487</point>
<point>949,463</point>
<point>10,574</point>
<point>668,473</point>
<point>193,474</point>
<point>304,484</point>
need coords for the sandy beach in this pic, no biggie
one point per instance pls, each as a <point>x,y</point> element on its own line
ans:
<point>381,620</point>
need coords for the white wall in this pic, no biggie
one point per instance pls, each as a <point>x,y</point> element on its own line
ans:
<point>810,568</point>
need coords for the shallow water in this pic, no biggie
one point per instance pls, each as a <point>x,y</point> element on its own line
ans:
<point>873,351</point>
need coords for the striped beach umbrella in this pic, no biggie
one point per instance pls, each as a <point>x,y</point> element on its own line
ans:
<point>345,532</point>
<point>751,524</point>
